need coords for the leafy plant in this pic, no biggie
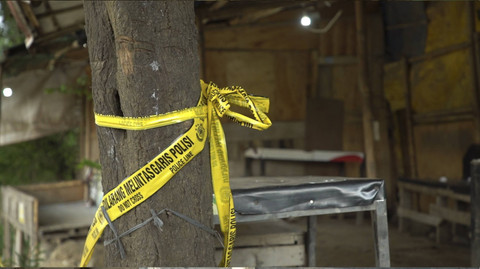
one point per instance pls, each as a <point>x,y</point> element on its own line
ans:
<point>9,33</point>
<point>89,163</point>
<point>47,159</point>
<point>79,88</point>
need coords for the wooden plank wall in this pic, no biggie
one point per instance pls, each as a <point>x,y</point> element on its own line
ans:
<point>275,57</point>
<point>338,80</point>
<point>442,97</point>
<point>271,58</point>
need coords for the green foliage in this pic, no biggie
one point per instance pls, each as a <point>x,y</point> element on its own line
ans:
<point>46,159</point>
<point>28,257</point>
<point>79,88</point>
<point>10,35</point>
<point>88,163</point>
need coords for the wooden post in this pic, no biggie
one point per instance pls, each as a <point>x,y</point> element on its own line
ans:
<point>314,77</point>
<point>475,213</point>
<point>6,240</point>
<point>405,203</point>
<point>412,156</point>
<point>364,86</point>
<point>473,61</point>
<point>17,252</point>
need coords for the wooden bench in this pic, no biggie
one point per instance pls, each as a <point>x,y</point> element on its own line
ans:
<point>444,209</point>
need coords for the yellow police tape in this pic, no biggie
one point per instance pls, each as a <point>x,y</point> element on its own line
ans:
<point>150,178</point>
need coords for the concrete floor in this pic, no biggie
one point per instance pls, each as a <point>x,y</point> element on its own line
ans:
<point>342,243</point>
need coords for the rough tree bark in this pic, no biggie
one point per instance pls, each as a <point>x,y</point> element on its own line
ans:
<point>144,60</point>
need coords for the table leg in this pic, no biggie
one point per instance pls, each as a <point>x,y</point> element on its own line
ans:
<point>248,167</point>
<point>312,240</point>
<point>380,231</point>
<point>262,168</point>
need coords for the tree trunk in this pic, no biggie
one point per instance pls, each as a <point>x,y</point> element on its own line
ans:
<point>144,60</point>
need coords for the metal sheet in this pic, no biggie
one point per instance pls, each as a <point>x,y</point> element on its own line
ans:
<point>264,195</point>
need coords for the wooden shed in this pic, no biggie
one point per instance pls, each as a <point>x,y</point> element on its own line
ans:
<point>396,81</point>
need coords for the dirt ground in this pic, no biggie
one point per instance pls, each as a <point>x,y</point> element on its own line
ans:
<point>340,243</point>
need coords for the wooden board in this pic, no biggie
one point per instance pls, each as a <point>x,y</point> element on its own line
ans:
<point>65,216</point>
<point>447,24</point>
<point>451,215</point>
<point>440,149</point>
<point>280,130</point>
<point>255,37</point>
<point>418,216</point>
<point>20,210</point>
<point>293,255</point>
<point>324,124</point>
<point>280,76</point>
<point>324,131</point>
<point>48,193</point>
<point>442,83</point>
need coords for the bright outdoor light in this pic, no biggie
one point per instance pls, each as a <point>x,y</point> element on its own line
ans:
<point>7,92</point>
<point>305,21</point>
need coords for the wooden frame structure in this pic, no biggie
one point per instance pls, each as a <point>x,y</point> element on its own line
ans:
<point>52,211</point>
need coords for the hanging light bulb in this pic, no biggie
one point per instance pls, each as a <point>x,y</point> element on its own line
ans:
<point>305,21</point>
<point>7,92</point>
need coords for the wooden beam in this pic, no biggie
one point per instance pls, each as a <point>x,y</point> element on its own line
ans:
<point>218,5</point>
<point>63,31</point>
<point>444,116</point>
<point>27,10</point>
<point>418,188</point>
<point>411,150</point>
<point>439,52</point>
<point>337,60</point>
<point>59,11</point>
<point>475,211</point>
<point>6,239</point>
<point>451,215</point>
<point>252,17</point>
<point>237,9</point>
<point>16,11</point>
<point>418,216</point>
<point>364,85</point>
<point>54,19</point>
<point>312,91</point>
<point>474,62</point>
<point>18,248</point>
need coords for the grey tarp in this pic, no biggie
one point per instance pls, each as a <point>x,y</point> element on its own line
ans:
<point>31,113</point>
<point>263,195</point>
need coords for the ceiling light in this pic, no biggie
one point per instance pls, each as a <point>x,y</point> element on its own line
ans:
<point>305,21</point>
<point>7,92</point>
